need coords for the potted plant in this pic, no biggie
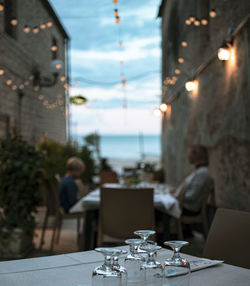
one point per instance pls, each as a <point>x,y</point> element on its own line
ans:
<point>21,172</point>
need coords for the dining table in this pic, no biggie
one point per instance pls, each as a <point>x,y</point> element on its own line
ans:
<point>75,269</point>
<point>164,202</point>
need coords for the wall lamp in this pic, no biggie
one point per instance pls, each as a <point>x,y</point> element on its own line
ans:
<point>55,69</point>
<point>224,52</point>
<point>190,85</point>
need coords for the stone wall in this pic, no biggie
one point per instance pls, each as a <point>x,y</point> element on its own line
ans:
<point>19,56</point>
<point>217,114</point>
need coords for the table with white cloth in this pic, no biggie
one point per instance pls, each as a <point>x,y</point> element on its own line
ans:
<point>75,269</point>
<point>163,202</point>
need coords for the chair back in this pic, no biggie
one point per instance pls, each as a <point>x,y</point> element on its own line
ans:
<point>124,210</point>
<point>108,177</point>
<point>229,237</point>
<point>52,200</point>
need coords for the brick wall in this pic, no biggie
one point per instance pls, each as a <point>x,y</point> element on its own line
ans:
<point>217,115</point>
<point>18,57</point>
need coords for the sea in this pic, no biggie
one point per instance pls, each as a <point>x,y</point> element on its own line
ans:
<point>130,146</point>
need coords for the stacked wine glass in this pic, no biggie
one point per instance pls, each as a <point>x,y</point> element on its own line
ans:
<point>141,267</point>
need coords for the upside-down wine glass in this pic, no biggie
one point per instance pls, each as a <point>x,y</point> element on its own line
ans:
<point>144,235</point>
<point>134,261</point>
<point>176,269</point>
<point>117,266</point>
<point>153,270</point>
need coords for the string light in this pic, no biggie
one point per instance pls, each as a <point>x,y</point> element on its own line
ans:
<point>180,60</point>
<point>26,83</point>
<point>1,6</point>
<point>21,86</point>
<point>115,1</point>
<point>49,24</point>
<point>177,71</point>
<point>184,44</point>
<point>1,72</point>
<point>14,22</point>
<point>36,88</point>
<point>14,87</point>
<point>163,107</point>
<point>66,86</point>
<point>9,82</point>
<point>224,52</point>
<point>63,78</point>
<point>54,48</point>
<point>191,19</point>
<point>190,85</point>
<point>58,66</point>
<point>197,23</point>
<point>116,12</point>
<point>40,97</point>
<point>35,30</point>
<point>42,26</point>
<point>26,29</point>
<point>212,13</point>
<point>157,112</point>
<point>117,19</point>
<point>204,22</point>
<point>188,22</point>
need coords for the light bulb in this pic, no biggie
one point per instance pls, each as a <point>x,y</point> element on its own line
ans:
<point>1,72</point>
<point>54,48</point>
<point>9,82</point>
<point>190,85</point>
<point>163,107</point>
<point>184,44</point>
<point>40,97</point>
<point>42,26</point>
<point>115,1</point>
<point>188,22</point>
<point>14,87</point>
<point>204,22</point>
<point>116,12</point>
<point>36,88</point>
<point>212,13</point>
<point>197,23</point>
<point>180,60</point>
<point>157,112</point>
<point>35,30</point>
<point>49,24</point>
<point>21,86</point>
<point>117,19</point>
<point>191,19</point>
<point>26,29</point>
<point>58,66</point>
<point>174,78</point>
<point>1,6</point>
<point>14,22</point>
<point>63,78</point>
<point>177,71</point>
<point>224,53</point>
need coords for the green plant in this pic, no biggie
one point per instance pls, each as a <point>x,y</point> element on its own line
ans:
<point>21,172</point>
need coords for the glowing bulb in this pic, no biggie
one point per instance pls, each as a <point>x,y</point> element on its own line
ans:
<point>197,23</point>
<point>63,78</point>
<point>163,107</point>
<point>180,60</point>
<point>1,6</point>
<point>190,85</point>
<point>157,112</point>
<point>9,82</point>
<point>49,24</point>
<point>184,44</point>
<point>212,13</point>
<point>204,22</point>
<point>21,86</point>
<point>224,53</point>
<point>26,29</point>
<point>191,19</point>
<point>35,30</point>
<point>177,71</point>
<point>188,22</point>
<point>58,66</point>
<point>43,26</point>
<point>14,22</point>
<point>36,88</point>
<point>117,19</point>
<point>40,97</point>
<point>54,48</point>
<point>115,1</point>
<point>116,12</point>
<point>14,87</point>
<point>174,78</point>
<point>1,72</point>
<point>66,86</point>
<point>26,83</point>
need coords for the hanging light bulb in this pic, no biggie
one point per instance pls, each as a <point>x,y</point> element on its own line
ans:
<point>1,72</point>
<point>188,22</point>
<point>163,107</point>
<point>120,43</point>
<point>115,1</point>
<point>184,44</point>
<point>26,29</point>
<point>35,30</point>
<point>63,78</point>
<point>174,78</point>
<point>190,85</point>
<point>204,21</point>
<point>26,83</point>
<point>36,88</point>
<point>49,24</point>
<point>157,112</point>
<point>66,86</point>
<point>14,87</point>
<point>191,19</point>
<point>58,66</point>
<point>40,97</point>
<point>54,48</point>
<point>197,23</point>
<point>212,13</point>
<point>1,6</point>
<point>21,86</point>
<point>9,82</point>
<point>42,26</point>
<point>177,71</point>
<point>14,22</point>
<point>224,52</point>
<point>117,19</point>
<point>180,60</point>
<point>116,12</point>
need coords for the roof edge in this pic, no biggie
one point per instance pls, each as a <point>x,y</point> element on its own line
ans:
<point>163,3</point>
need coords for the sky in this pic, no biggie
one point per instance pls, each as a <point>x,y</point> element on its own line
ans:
<point>96,66</point>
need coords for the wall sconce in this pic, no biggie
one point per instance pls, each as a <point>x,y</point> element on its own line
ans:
<point>224,52</point>
<point>163,107</point>
<point>55,69</point>
<point>190,85</point>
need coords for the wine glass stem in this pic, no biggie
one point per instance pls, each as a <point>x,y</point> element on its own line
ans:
<point>150,258</point>
<point>107,261</point>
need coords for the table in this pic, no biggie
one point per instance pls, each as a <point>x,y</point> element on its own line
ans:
<point>75,270</point>
<point>163,202</point>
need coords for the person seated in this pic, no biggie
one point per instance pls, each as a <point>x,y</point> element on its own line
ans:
<point>198,184</point>
<point>68,190</point>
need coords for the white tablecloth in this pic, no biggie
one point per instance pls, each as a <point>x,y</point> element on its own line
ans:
<point>75,270</point>
<point>162,199</point>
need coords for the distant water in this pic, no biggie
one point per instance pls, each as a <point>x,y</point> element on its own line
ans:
<point>130,146</point>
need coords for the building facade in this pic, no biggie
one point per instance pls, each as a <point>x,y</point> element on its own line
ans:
<point>216,113</point>
<point>32,97</point>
